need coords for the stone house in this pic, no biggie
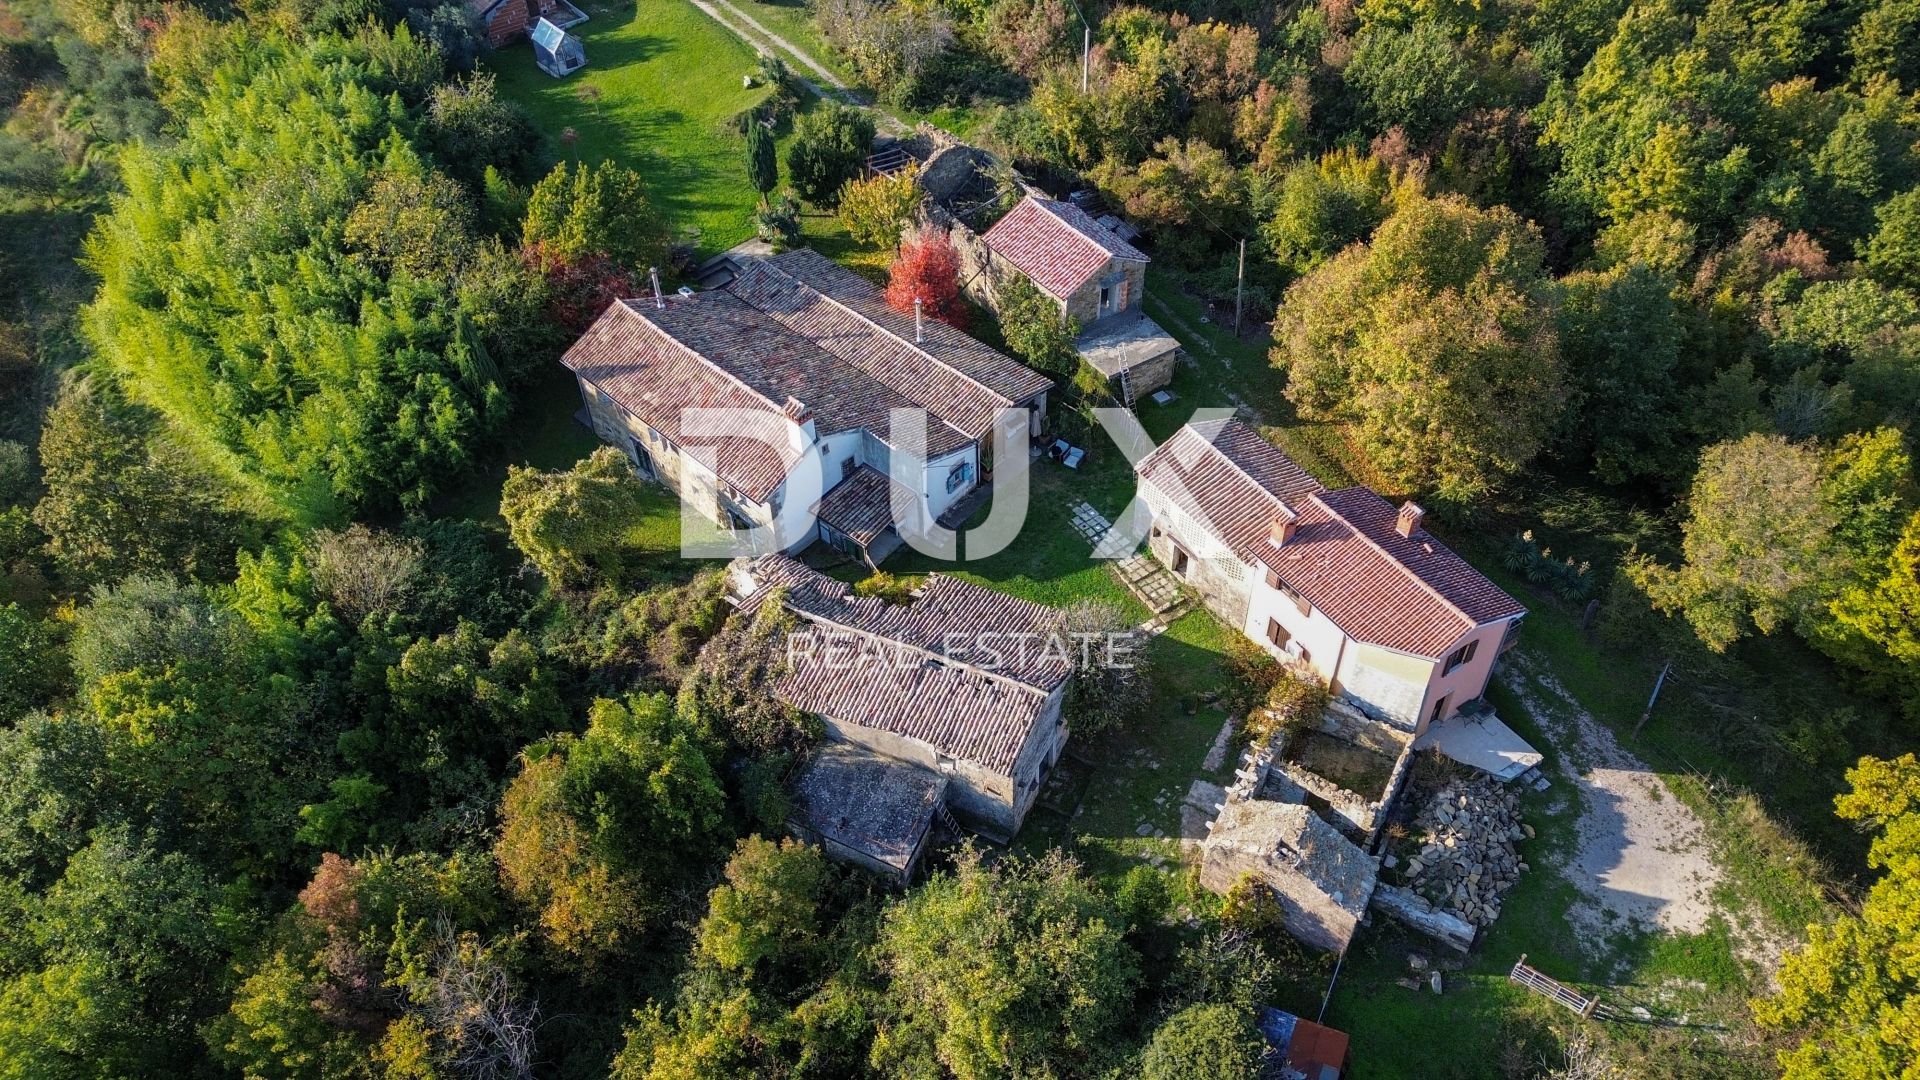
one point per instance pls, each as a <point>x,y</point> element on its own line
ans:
<point>811,353</point>
<point>1336,582</point>
<point>1098,279</point>
<point>1322,880</point>
<point>963,682</point>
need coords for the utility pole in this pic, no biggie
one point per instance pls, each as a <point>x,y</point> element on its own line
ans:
<point>1086,53</point>
<point>1655,696</point>
<point>1239,287</point>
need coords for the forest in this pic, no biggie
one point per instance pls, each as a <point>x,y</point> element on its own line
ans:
<point>338,739</point>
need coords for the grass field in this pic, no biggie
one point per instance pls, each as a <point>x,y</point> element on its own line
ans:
<point>669,80</point>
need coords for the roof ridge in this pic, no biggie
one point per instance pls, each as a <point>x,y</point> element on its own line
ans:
<point>1226,421</point>
<point>915,346</point>
<point>922,650</point>
<point>1049,204</point>
<point>1423,583</point>
<point>628,306</point>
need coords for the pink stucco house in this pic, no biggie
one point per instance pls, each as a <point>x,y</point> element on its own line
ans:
<point>1340,582</point>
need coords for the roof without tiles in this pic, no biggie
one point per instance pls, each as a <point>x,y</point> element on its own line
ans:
<point>1346,556</point>
<point>895,667</point>
<point>875,805</point>
<point>1056,244</point>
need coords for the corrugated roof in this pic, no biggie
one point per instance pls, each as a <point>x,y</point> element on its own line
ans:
<point>1056,244</point>
<point>913,669</point>
<point>1346,556</point>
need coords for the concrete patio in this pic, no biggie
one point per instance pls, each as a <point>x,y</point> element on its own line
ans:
<point>1481,741</point>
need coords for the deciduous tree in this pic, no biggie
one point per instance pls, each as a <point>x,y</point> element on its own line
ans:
<point>578,211</point>
<point>1011,970</point>
<point>597,826</point>
<point>928,270</point>
<point>1436,341</point>
<point>1851,995</point>
<point>876,209</point>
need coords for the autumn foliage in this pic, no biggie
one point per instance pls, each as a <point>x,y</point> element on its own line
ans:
<point>928,268</point>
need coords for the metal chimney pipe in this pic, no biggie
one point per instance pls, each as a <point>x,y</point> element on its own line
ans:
<point>659,301</point>
<point>919,327</point>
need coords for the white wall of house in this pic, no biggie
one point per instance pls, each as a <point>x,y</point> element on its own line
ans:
<point>1310,630</point>
<point>817,469</point>
<point>1398,685</point>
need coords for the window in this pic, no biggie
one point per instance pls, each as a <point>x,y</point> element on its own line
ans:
<point>1460,656</point>
<point>1277,633</point>
<point>960,475</point>
<point>847,467</point>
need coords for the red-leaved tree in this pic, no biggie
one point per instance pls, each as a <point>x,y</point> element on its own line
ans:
<point>579,289</point>
<point>928,269</point>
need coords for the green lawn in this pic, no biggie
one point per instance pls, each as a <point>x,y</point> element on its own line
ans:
<point>670,86</point>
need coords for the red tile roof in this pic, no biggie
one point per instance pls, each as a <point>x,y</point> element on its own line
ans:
<point>650,373</point>
<point>1345,557</point>
<point>1056,244</point>
<point>907,668</point>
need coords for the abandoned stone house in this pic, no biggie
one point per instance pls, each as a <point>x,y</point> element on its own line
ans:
<point>1098,279</point>
<point>1338,582</point>
<point>1322,880</point>
<point>812,354</point>
<point>951,702</point>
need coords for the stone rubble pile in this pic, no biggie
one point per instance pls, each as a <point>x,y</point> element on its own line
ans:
<point>1467,858</point>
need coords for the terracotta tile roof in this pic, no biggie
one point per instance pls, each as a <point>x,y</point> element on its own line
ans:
<point>861,506</point>
<point>901,667</point>
<point>949,374</point>
<point>1056,244</point>
<point>1345,556</point>
<point>717,349</point>
<point>995,370</point>
<point>649,373</point>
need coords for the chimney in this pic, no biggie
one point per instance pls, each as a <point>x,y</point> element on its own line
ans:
<point>1283,525</point>
<point>653,273</point>
<point>919,326</point>
<point>1409,522</point>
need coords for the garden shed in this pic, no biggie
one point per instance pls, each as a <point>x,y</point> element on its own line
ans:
<point>558,53</point>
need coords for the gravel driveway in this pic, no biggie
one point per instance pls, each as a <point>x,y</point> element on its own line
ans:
<point>1644,858</point>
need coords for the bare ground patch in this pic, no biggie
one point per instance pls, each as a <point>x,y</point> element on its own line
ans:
<point>1644,859</point>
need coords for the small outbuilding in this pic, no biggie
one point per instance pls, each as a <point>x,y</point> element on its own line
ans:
<point>558,53</point>
<point>1322,880</point>
<point>866,809</point>
<point>1299,1049</point>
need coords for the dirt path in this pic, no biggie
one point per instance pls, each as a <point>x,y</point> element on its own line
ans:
<point>1644,858</point>
<point>733,18</point>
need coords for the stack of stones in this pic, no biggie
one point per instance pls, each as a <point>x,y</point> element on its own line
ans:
<point>1467,858</point>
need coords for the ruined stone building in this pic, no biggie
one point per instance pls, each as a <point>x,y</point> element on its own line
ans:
<point>950,702</point>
